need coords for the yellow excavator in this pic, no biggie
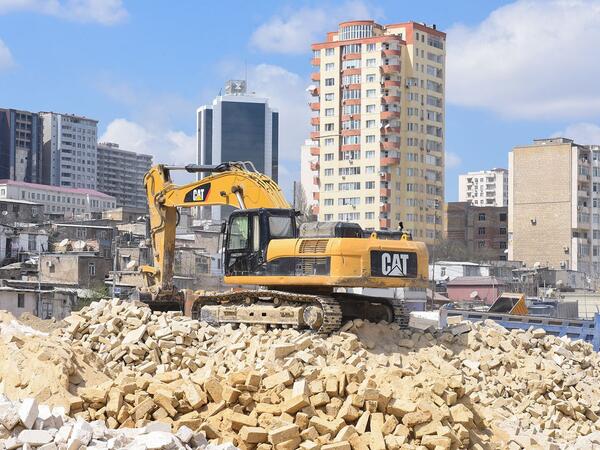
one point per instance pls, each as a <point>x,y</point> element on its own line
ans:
<point>313,276</point>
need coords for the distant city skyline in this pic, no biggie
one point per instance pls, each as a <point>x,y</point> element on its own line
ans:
<point>143,82</point>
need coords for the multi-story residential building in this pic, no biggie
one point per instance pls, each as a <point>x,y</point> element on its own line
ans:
<point>238,127</point>
<point>69,150</point>
<point>484,188</point>
<point>481,230</point>
<point>58,201</point>
<point>20,146</point>
<point>120,173</point>
<point>379,123</point>
<point>554,205</point>
<point>309,165</point>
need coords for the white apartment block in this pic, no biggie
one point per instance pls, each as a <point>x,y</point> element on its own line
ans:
<point>70,145</point>
<point>58,201</point>
<point>378,125</point>
<point>309,165</point>
<point>484,188</point>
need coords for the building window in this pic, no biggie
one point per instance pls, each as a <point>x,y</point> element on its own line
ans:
<point>371,92</point>
<point>329,51</point>
<point>329,111</point>
<point>328,172</point>
<point>329,156</point>
<point>502,244</point>
<point>369,200</point>
<point>329,126</point>
<point>92,269</point>
<point>369,215</point>
<point>328,217</point>
<point>481,231</point>
<point>370,139</point>
<point>370,154</point>
<point>371,62</point>
<point>371,47</point>
<point>370,124</point>
<point>328,202</point>
<point>329,96</point>
<point>502,231</point>
<point>328,187</point>
<point>328,141</point>
<point>481,216</point>
<point>329,66</point>
<point>370,108</point>
<point>480,244</point>
<point>371,78</point>
<point>503,217</point>
<point>20,300</point>
<point>370,185</point>
<point>329,81</point>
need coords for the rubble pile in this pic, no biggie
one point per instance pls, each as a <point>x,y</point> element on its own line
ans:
<point>368,386</point>
<point>26,424</point>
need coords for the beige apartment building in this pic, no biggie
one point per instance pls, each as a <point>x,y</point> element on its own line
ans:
<point>378,126</point>
<point>554,205</point>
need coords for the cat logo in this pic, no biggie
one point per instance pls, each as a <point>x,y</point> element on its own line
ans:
<point>393,264</point>
<point>198,194</point>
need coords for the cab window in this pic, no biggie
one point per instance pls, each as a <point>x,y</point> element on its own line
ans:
<point>238,235</point>
<point>281,227</point>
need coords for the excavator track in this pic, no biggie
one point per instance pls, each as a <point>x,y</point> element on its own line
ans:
<point>322,314</point>
<point>268,307</point>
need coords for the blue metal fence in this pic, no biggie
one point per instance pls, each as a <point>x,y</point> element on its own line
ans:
<point>587,330</point>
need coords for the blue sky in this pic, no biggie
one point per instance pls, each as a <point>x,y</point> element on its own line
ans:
<point>515,70</point>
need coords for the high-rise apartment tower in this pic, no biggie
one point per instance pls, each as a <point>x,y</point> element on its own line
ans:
<point>379,125</point>
<point>20,146</point>
<point>484,188</point>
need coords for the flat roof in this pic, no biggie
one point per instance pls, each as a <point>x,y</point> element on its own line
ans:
<point>50,187</point>
<point>74,225</point>
<point>23,202</point>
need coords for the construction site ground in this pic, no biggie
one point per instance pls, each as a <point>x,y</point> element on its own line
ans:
<point>117,375</point>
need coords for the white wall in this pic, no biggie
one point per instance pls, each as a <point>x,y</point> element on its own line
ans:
<point>9,302</point>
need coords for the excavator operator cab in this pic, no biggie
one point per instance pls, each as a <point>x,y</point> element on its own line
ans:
<point>248,234</point>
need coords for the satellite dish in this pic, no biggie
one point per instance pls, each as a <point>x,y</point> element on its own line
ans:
<point>78,245</point>
<point>474,295</point>
<point>5,213</point>
<point>537,265</point>
<point>131,264</point>
<point>64,243</point>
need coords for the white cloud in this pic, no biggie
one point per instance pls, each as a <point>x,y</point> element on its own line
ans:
<point>529,59</point>
<point>581,133</point>
<point>452,160</point>
<point>6,58</point>
<point>294,31</point>
<point>167,146</point>
<point>105,12</point>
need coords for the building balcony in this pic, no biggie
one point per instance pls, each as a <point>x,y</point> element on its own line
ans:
<point>391,68</point>
<point>390,99</point>
<point>315,196</point>
<point>389,161</point>
<point>351,101</point>
<point>314,135</point>
<point>353,86</point>
<point>389,115</point>
<point>315,120</point>
<point>390,130</point>
<point>350,132</point>
<point>315,61</point>
<point>315,151</point>
<point>348,56</point>
<point>389,145</point>
<point>315,106</point>
<point>353,71</point>
<point>391,83</point>
<point>385,192</point>
<point>385,224</point>
<point>315,76</point>
<point>385,208</point>
<point>315,91</point>
<point>314,166</point>
<point>315,210</point>
<point>316,181</point>
<point>390,52</point>
<point>349,147</point>
<point>385,176</point>
<point>350,117</point>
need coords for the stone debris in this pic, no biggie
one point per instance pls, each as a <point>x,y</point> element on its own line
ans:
<point>64,432</point>
<point>372,386</point>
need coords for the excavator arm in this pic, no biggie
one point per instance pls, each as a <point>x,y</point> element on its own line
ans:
<point>235,184</point>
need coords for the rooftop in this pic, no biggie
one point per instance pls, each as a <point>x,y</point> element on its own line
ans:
<point>49,187</point>
<point>22,202</point>
<point>475,281</point>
